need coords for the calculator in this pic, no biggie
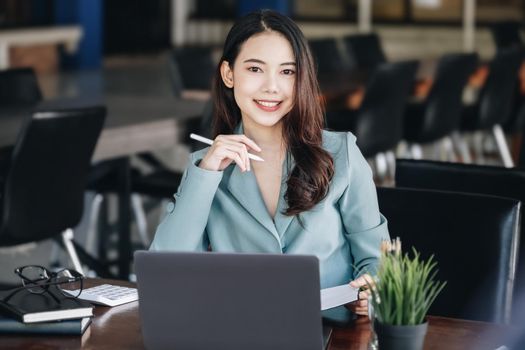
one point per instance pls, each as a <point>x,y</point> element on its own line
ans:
<point>108,294</point>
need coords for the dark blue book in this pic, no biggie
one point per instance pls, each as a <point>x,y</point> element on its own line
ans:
<point>27,307</point>
<point>66,327</point>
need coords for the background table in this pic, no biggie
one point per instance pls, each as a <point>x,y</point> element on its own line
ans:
<point>133,124</point>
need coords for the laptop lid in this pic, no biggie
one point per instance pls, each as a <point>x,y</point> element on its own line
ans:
<point>229,301</point>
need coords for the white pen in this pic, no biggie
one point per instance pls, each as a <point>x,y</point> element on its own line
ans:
<point>210,142</point>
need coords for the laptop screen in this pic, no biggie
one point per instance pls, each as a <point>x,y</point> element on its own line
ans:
<point>230,301</point>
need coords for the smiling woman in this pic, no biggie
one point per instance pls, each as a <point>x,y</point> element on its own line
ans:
<point>263,78</point>
<point>274,49</point>
<point>313,194</point>
<point>263,83</point>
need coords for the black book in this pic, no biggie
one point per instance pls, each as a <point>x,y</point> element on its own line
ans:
<point>66,327</point>
<point>27,307</point>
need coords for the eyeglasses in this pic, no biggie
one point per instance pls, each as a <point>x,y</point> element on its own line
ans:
<point>37,280</point>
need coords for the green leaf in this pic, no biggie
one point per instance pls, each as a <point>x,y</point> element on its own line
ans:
<point>405,288</point>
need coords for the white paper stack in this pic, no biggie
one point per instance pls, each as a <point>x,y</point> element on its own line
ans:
<point>336,296</point>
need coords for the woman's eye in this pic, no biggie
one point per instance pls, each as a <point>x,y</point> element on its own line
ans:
<point>288,71</point>
<point>254,69</point>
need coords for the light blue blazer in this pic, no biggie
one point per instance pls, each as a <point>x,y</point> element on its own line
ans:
<point>225,210</point>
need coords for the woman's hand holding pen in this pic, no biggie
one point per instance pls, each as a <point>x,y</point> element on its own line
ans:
<point>227,149</point>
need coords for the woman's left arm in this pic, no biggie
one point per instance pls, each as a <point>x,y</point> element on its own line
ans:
<point>364,225</point>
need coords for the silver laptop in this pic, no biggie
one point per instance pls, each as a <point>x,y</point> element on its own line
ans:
<point>229,301</point>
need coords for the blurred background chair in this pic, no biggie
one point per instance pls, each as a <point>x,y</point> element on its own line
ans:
<point>335,73</point>
<point>191,68</point>
<point>378,122</point>
<point>364,51</point>
<point>191,73</point>
<point>438,116</point>
<point>514,127</point>
<point>488,180</point>
<point>159,183</point>
<point>43,184</point>
<point>506,34</point>
<point>493,106</point>
<point>473,239</point>
<point>19,86</point>
<point>328,57</point>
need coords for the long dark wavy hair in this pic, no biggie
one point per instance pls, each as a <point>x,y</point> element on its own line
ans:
<point>309,180</point>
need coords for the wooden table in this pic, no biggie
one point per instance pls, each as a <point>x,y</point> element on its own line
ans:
<point>119,328</point>
<point>443,333</point>
<point>133,124</point>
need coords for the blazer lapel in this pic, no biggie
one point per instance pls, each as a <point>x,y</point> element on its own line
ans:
<point>283,221</point>
<point>244,187</point>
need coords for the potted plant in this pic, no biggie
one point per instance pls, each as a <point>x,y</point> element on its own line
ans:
<point>403,291</point>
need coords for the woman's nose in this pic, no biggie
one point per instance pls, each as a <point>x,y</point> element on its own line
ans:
<point>271,85</point>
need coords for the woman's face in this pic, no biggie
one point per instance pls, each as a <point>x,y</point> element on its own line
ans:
<point>262,79</point>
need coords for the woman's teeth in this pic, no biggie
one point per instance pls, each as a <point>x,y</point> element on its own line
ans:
<point>267,103</point>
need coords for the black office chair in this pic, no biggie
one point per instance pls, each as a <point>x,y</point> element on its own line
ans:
<point>160,184</point>
<point>439,114</point>
<point>506,34</point>
<point>42,192</point>
<point>473,239</point>
<point>19,86</point>
<point>489,180</point>
<point>327,56</point>
<point>365,51</point>
<point>192,68</point>
<point>494,104</point>
<point>378,123</point>
<point>515,126</point>
<point>335,72</point>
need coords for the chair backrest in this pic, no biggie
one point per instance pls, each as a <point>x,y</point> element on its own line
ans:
<point>44,187</point>
<point>473,239</point>
<point>379,125</point>
<point>191,67</point>
<point>365,50</point>
<point>506,34</point>
<point>444,102</point>
<point>489,180</point>
<point>327,56</point>
<point>498,92</point>
<point>19,86</point>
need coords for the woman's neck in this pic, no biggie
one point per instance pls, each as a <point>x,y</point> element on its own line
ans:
<point>270,139</point>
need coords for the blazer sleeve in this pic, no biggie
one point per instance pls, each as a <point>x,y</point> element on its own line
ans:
<point>183,228</point>
<point>364,225</point>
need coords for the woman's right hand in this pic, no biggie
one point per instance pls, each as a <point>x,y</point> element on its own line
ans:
<point>227,149</point>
